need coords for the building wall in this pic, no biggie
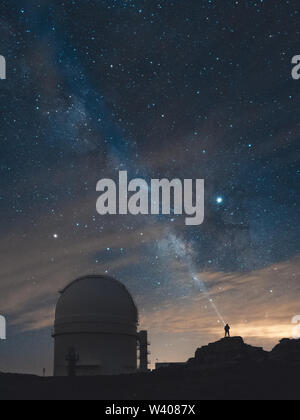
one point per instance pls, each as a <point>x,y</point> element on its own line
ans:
<point>99,353</point>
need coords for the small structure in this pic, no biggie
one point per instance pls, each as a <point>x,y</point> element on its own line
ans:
<point>143,347</point>
<point>165,365</point>
<point>72,358</point>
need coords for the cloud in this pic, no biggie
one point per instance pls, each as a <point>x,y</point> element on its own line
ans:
<point>259,305</point>
<point>31,276</point>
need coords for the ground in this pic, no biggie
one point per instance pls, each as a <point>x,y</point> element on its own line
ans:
<point>239,382</point>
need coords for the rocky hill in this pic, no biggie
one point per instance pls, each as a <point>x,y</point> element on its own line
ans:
<point>227,351</point>
<point>287,351</point>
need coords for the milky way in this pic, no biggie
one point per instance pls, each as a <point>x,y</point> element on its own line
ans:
<point>163,89</point>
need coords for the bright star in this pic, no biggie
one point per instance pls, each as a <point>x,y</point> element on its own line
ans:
<point>220,200</point>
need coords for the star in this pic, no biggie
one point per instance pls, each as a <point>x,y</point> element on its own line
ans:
<point>196,111</point>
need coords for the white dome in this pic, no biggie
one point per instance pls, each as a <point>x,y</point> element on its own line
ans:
<point>95,299</point>
<point>97,318</point>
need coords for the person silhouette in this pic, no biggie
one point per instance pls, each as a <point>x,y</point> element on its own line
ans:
<point>227,331</point>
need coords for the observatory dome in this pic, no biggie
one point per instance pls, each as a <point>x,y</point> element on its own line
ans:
<point>96,298</point>
<point>97,319</point>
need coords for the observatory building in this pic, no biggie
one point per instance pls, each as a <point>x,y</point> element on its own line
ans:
<point>95,330</point>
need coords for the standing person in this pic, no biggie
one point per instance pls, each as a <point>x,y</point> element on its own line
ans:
<point>227,331</point>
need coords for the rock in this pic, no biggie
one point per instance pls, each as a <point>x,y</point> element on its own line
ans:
<point>287,351</point>
<point>227,351</point>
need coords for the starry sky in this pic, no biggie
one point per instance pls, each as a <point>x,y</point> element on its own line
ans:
<point>163,89</point>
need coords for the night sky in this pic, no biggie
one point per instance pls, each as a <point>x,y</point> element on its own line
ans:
<point>163,89</point>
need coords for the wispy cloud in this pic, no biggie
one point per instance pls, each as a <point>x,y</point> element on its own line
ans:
<point>259,305</point>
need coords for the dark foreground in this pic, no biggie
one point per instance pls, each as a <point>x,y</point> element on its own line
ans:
<point>250,382</point>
